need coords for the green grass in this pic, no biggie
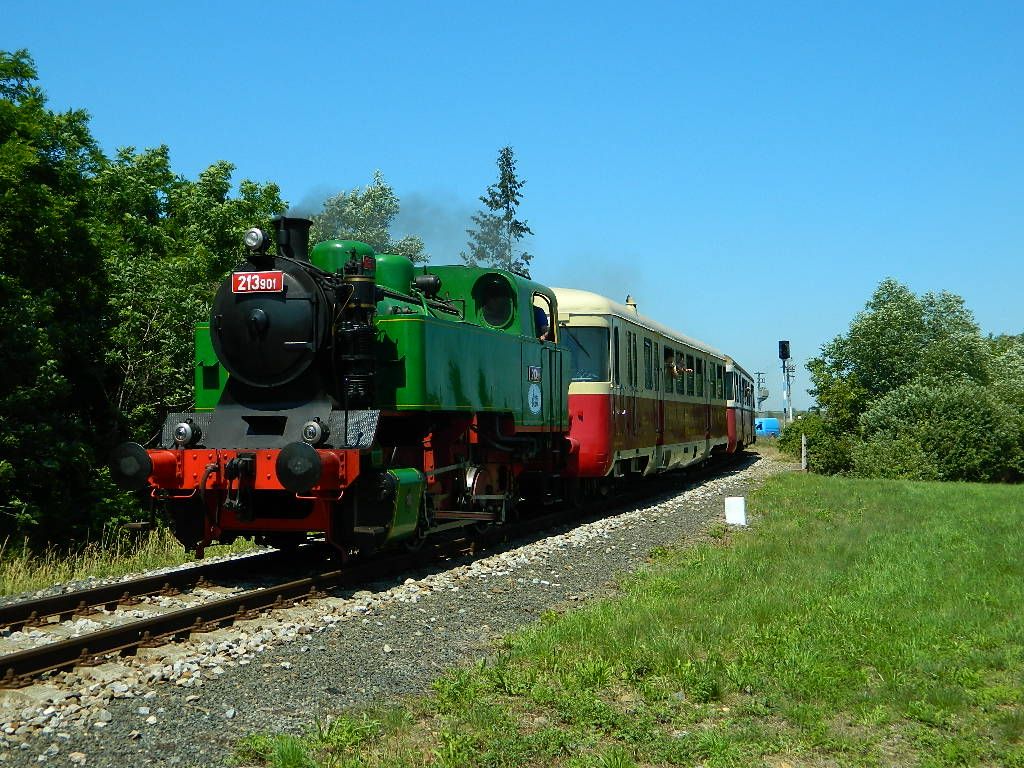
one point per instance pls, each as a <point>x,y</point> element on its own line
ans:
<point>118,554</point>
<point>769,448</point>
<point>863,623</point>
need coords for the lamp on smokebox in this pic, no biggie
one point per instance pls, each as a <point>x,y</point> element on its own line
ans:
<point>256,240</point>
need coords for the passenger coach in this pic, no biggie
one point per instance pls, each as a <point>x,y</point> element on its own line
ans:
<point>644,398</point>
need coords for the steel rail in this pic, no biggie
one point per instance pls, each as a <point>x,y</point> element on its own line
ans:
<point>35,611</point>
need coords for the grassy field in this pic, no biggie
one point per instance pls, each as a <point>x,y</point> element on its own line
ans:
<point>22,570</point>
<point>860,623</point>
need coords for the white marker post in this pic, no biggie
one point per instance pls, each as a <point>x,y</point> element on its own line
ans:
<point>735,510</point>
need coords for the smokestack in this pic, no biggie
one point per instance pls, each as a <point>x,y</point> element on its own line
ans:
<point>292,236</point>
<point>631,303</point>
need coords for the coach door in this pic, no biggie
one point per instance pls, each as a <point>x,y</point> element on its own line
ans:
<point>650,400</point>
<point>659,397</point>
<point>624,387</point>
<point>633,397</point>
<point>705,395</point>
<point>615,390</point>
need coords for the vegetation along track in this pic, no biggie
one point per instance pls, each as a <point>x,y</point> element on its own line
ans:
<point>21,667</point>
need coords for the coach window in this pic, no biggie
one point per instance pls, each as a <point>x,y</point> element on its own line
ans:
<point>629,359</point>
<point>700,377</point>
<point>648,374</point>
<point>730,386</point>
<point>681,374</point>
<point>719,383</point>
<point>588,347</point>
<point>615,356</point>
<point>656,367</point>
<point>670,372</point>
<point>635,381</point>
<point>689,375</point>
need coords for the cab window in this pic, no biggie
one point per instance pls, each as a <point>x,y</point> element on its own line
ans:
<point>589,352</point>
<point>543,320</point>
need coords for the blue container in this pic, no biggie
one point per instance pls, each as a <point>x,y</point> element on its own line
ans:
<point>766,427</point>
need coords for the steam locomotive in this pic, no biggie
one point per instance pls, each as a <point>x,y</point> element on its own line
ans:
<point>354,396</point>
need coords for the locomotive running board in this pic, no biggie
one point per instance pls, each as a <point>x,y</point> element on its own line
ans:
<point>229,427</point>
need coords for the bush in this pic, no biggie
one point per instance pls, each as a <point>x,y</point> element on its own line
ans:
<point>892,458</point>
<point>828,449</point>
<point>960,428</point>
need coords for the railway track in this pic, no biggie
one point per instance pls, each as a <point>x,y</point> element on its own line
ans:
<point>42,611</point>
<point>23,667</point>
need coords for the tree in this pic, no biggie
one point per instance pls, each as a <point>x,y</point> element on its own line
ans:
<point>168,243</point>
<point>106,266</point>
<point>897,338</point>
<point>913,390</point>
<point>366,215</point>
<point>55,417</point>
<point>495,239</point>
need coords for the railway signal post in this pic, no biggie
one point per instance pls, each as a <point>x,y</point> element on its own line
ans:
<point>787,373</point>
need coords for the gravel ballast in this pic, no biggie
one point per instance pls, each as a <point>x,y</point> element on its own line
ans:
<point>186,704</point>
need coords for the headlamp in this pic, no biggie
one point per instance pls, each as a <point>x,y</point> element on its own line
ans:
<point>256,239</point>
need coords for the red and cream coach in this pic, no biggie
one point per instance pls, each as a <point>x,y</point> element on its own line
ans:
<point>644,398</point>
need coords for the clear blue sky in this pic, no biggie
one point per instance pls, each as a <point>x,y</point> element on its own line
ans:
<point>749,172</point>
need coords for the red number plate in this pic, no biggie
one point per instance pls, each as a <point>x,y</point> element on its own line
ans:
<point>257,282</point>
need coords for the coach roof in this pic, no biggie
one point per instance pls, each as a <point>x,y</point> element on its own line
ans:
<point>572,301</point>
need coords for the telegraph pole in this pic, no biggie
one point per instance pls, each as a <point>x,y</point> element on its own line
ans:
<point>762,393</point>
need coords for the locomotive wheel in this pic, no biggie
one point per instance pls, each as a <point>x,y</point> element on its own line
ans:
<point>188,521</point>
<point>415,542</point>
